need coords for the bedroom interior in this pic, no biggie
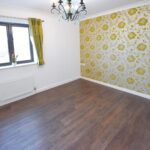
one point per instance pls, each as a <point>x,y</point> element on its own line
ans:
<point>74,75</point>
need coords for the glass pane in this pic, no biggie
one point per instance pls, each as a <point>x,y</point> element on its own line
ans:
<point>21,43</point>
<point>4,52</point>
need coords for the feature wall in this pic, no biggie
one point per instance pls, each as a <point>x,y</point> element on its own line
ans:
<point>115,49</point>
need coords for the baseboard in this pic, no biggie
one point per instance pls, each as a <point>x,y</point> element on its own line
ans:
<point>56,84</point>
<point>118,88</point>
<point>2,103</point>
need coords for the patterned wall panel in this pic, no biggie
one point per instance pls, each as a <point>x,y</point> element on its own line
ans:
<point>115,49</point>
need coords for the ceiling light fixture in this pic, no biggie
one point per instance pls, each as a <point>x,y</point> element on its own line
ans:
<point>68,10</point>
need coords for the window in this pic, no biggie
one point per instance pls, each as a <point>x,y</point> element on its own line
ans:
<point>15,44</point>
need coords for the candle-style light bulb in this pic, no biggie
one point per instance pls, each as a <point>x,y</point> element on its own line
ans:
<point>67,8</point>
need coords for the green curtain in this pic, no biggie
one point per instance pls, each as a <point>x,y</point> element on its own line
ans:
<point>37,33</point>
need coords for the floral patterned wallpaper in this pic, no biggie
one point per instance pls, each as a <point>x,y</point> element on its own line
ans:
<point>115,49</point>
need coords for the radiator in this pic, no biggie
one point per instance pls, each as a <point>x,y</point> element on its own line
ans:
<point>16,88</point>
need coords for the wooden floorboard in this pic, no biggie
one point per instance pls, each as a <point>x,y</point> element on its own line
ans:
<point>76,116</point>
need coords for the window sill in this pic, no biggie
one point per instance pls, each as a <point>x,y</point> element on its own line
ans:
<point>18,65</point>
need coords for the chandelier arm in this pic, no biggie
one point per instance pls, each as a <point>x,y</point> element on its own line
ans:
<point>79,8</point>
<point>75,17</point>
<point>76,12</point>
<point>62,10</point>
<point>65,18</point>
<point>83,10</point>
<point>79,14</point>
<point>55,9</point>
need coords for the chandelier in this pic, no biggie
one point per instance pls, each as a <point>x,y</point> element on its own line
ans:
<point>68,10</point>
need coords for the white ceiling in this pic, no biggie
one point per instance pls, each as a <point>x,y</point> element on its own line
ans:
<point>93,6</point>
<point>98,6</point>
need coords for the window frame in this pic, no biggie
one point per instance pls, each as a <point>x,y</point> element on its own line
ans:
<point>10,42</point>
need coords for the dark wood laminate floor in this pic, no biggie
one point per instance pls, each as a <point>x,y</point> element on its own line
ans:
<point>77,116</point>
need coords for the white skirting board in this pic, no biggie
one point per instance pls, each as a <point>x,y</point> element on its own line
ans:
<point>70,80</point>
<point>118,88</point>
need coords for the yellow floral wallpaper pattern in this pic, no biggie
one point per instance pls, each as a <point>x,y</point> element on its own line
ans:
<point>115,49</point>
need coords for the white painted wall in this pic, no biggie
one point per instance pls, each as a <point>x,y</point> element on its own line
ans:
<point>61,51</point>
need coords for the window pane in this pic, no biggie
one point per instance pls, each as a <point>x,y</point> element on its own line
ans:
<point>4,52</point>
<point>21,43</point>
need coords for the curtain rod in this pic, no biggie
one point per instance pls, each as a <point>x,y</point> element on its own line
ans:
<point>15,17</point>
